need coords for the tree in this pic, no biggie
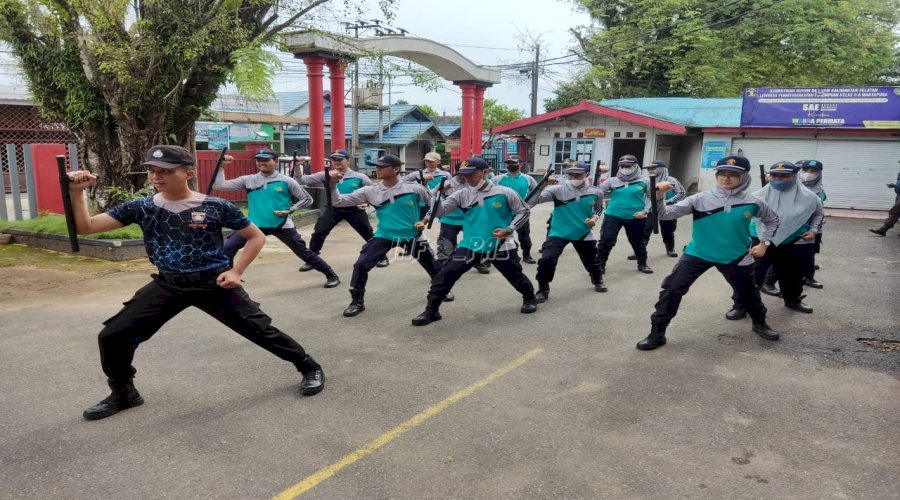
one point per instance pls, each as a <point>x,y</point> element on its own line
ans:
<point>123,79</point>
<point>715,48</point>
<point>428,110</point>
<point>498,114</point>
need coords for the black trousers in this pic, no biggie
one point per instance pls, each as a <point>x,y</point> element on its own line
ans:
<point>609,232</point>
<point>553,248</point>
<point>166,296</point>
<point>447,239</point>
<point>666,230</point>
<point>463,259</point>
<point>524,234</point>
<point>686,272</point>
<point>290,237</point>
<point>791,264</point>
<point>893,215</point>
<point>330,217</point>
<point>376,249</point>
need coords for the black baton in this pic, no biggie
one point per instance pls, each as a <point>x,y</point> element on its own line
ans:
<point>436,203</point>
<point>212,179</point>
<point>654,212</point>
<point>762,175</point>
<point>67,202</point>
<point>540,184</point>
<point>327,185</point>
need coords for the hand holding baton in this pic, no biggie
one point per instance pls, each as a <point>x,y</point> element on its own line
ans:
<point>215,172</point>
<point>67,202</point>
<point>540,185</point>
<point>436,203</point>
<point>422,178</point>
<point>327,185</point>
<point>654,212</point>
<point>762,175</point>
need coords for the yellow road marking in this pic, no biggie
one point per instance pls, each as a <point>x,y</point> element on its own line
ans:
<point>360,453</point>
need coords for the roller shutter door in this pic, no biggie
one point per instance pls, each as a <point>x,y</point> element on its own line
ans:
<point>855,174</point>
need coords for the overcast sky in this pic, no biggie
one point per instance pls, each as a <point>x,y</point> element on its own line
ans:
<point>485,31</point>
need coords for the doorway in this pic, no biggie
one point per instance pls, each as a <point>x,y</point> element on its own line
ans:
<point>622,147</point>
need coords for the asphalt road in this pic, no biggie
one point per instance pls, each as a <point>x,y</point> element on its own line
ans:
<point>558,404</point>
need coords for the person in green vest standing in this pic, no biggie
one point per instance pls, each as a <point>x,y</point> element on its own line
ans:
<point>628,206</point>
<point>522,184</point>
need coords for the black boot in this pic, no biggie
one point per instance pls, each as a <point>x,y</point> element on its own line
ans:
<point>770,290</point>
<point>384,262</point>
<point>737,312</point>
<point>332,280</point>
<point>599,286</point>
<point>306,267</point>
<point>761,328</point>
<point>880,231</point>
<point>312,382</point>
<point>529,306</point>
<point>543,293</point>
<point>812,283</point>
<point>671,252</point>
<point>357,304</point>
<point>644,268</point>
<point>656,338</point>
<point>124,395</point>
<point>799,306</point>
<point>526,258</point>
<point>430,314</point>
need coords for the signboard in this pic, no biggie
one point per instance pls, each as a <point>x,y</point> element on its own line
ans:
<point>822,107</point>
<point>595,132</point>
<point>713,151</point>
<point>512,147</point>
<point>214,134</point>
<point>248,132</point>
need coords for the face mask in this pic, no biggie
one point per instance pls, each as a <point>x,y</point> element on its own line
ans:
<point>808,176</point>
<point>576,183</point>
<point>512,168</point>
<point>781,185</point>
<point>626,171</point>
<point>476,188</point>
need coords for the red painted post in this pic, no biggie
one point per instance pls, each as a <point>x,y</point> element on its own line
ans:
<point>338,129</point>
<point>314,74</point>
<point>477,119</point>
<point>46,177</point>
<point>466,132</point>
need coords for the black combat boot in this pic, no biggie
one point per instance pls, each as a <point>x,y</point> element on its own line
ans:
<point>761,328</point>
<point>881,231</point>
<point>644,268</point>
<point>656,338</point>
<point>124,395</point>
<point>529,305</point>
<point>527,258</point>
<point>430,314</point>
<point>599,285</point>
<point>332,280</point>
<point>671,252</point>
<point>769,289</point>
<point>811,282</point>
<point>543,293</point>
<point>357,304</point>
<point>737,312</point>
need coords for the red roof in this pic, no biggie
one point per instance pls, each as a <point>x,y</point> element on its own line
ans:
<point>586,105</point>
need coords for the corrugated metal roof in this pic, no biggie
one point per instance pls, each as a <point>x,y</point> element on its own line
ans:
<point>292,100</point>
<point>687,111</point>
<point>448,128</point>
<point>402,133</point>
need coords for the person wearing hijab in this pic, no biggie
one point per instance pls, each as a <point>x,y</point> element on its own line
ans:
<point>666,227</point>
<point>720,238</point>
<point>628,206</point>
<point>810,176</point>
<point>800,217</point>
<point>577,206</point>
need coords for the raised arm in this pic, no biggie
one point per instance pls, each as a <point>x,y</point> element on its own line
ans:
<point>223,184</point>
<point>84,223</point>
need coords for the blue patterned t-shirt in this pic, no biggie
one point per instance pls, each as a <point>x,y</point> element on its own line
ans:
<point>183,236</point>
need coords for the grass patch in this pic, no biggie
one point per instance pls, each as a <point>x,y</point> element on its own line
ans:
<point>56,224</point>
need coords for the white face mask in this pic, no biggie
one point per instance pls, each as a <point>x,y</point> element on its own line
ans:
<point>626,171</point>
<point>478,187</point>
<point>808,176</point>
<point>576,183</point>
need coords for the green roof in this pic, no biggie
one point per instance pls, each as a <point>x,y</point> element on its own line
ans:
<point>687,111</point>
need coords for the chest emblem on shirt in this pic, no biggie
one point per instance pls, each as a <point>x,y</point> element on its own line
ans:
<point>497,204</point>
<point>198,219</point>
<point>278,189</point>
<point>640,187</point>
<point>747,214</point>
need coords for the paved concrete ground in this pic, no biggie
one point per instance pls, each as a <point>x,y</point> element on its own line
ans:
<point>716,413</point>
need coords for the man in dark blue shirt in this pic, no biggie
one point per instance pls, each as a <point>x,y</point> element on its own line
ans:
<point>183,235</point>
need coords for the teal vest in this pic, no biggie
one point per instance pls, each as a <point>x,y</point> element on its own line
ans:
<point>568,218</point>
<point>349,185</point>
<point>519,184</point>
<point>479,223</point>
<point>722,237</point>
<point>625,201</point>
<point>263,203</point>
<point>396,220</point>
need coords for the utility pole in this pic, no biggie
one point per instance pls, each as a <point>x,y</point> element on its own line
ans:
<point>354,100</point>
<point>534,78</point>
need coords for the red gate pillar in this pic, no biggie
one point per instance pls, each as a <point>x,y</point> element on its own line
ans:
<point>314,74</point>
<point>466,132</point>
<point>477,118</point>
<point>338,128</point>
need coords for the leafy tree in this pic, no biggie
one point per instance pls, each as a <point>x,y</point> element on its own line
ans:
<point>428,110</point>
<point>498,114</point>
<point>715,48</point>
<point>127,74</point>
